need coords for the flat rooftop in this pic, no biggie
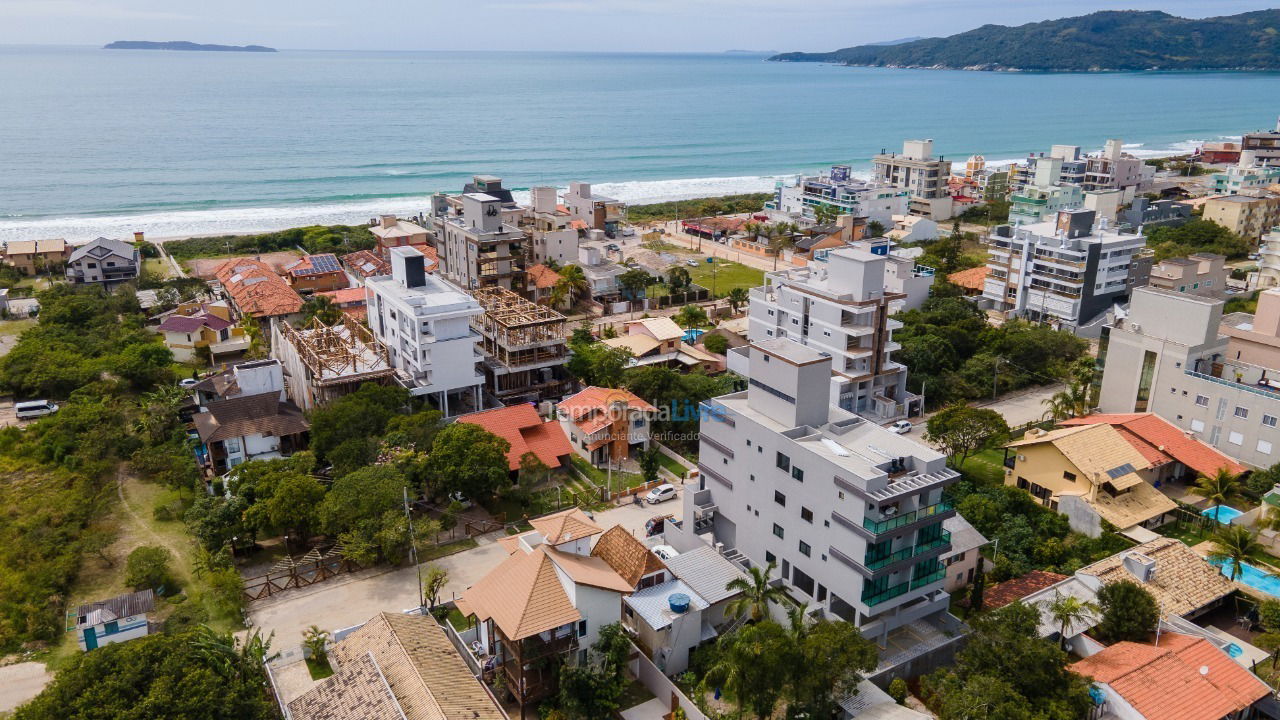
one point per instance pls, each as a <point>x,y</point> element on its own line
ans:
<point>791,351</point>
<point>436,293</point>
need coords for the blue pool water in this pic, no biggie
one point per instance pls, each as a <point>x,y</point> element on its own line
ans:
<point>1253,577</point>
<point>1221,513</point>
<point>692,334</point>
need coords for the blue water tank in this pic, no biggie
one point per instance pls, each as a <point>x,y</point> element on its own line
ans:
<point>679,602</point>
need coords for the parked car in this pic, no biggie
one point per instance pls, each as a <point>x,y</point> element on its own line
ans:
<point>628,232</point>
<point>188,383</point>
<point>612,247</point>
<point>34,409</point>
<point>662,493</point>
<point>691,263</point>
<point>902,427</point>
<point>458,497</point>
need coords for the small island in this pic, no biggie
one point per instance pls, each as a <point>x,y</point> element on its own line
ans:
<point>183,45</point>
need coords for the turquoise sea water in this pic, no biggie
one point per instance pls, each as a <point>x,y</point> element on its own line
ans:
<point>98,142</point>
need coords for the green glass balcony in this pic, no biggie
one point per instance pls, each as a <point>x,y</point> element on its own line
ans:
<point>932,577</point>
<point>877,563</point>
<point>883,526</point>
<point>889,593</point>
<point>926,546</point>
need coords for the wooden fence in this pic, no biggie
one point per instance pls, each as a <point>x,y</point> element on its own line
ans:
<point>314,567</point>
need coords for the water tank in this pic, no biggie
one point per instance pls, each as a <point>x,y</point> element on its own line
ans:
<point>679,602</point>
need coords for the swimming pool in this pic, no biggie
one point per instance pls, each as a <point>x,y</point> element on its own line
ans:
<point>1253,577</point>
<point>692,334</point>
<point>1222,513</point>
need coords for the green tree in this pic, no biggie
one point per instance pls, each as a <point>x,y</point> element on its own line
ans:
<point>433,582</point>
<point>366,494</point>
<point>678,279</point>
<point>1128,612</point>
<point>738,297</point>
<point>1070,612</point>
<point>898,690</point>
<point>962,430</point>
<point>592,690</point>
<point>830,658</point>
<point>594,363</point>
<point>715,343</point>
<point>322,309</point>
<point>634,282</point>
<point>467,459</point>
<point>571,287</point>
<point>1221,488</point>
<point>691,316</point>
<point>214,519</point>
<point>650,463</point>
<point>1233,545</point>
<point>363,414</point>
<point>294,503</point>
<point>755,594</point>
<point>753,665</point>
<point>316,641</point>
<point>979,585</point>
<point>148,567</point>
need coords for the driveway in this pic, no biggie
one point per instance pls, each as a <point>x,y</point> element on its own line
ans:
<point>350,600</point>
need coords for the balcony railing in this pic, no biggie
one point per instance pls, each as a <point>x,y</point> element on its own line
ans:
<point>888,524</point>
<point>889,593</point>
<point>908,552</point>
<point>931,578</point>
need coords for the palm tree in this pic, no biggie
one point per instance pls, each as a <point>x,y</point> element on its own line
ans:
<point>875,229</point>
<point>1233,545</point>
<point>1072,402</point>
<point>1220,488</point>
<point>1068,611</point>
<point>738,297</point>
<point>755,594</point>
<point>1055,408</point>
<point>321,308</point>
<point>571,286</point>
<point>316,641</point>
<point>780,238</point>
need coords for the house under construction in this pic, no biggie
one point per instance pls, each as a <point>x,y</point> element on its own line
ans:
<point>323,363</point>
<point>524,346</point>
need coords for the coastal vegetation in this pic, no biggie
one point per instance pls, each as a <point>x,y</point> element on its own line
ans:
<point>1196,236</point>
<point>700,207</point>
<point>1108,40</point>
<point>338,239</point>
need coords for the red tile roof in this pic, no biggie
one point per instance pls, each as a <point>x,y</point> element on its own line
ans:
<point>1010,591</point>
<point>346,296</point>
<point>366,263</point>
<point>256,289</point>
<point>589,409</point>
<point>521,426</point>
<point>543,277</point>
<point>971,279</point>
<point>1185,678</point>
<point>1160,441</point>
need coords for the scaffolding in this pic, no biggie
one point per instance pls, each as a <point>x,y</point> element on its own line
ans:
<point>328,361</point>
<point>524,344</point>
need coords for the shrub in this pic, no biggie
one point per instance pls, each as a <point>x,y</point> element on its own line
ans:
<point>148,567</point>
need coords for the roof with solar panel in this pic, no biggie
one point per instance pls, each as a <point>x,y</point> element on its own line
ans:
<point>315,265</point>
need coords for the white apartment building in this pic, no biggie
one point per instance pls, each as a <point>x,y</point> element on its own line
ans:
<point>918,172</point>
<point>840,308</point>
<point>842,193</point>
<point>477,240</point>
<point>1045,195</point>
<point>1065,271</point>
<point>1169,356</point>
<point>548,225</point>
<point>425,324</point>
<point>1269,259</point>
<point>1070,172</point>
<point>1245,175</point>
<point>596,211</point>
<point>851,513</point>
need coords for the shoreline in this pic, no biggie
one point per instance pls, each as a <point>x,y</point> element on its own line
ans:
<point>165,226</point>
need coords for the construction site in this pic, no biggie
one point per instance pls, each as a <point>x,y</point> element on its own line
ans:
<point>324,362</point>
<point>524,346</point>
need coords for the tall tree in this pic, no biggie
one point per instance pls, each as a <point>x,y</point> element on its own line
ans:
<point>738,297</point>
<point>592,690</point>
<point>756,594</point>
<point>1221,488</point>
<point>752,665</point>
<point>467,459</point>
<point>1070,612</point>
<point>1128,612</point>
<point>962,430</point>
<point>571,287</point>
<point>1233,545</point>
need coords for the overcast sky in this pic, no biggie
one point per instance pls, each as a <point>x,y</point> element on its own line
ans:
<point>624,25</point>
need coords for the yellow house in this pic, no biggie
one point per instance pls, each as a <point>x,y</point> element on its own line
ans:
<point>1089,473</point>
<point>197,325</point>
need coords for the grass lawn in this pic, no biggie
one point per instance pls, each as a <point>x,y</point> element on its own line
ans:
<point>158,267</point>
<point>987,466</point>
<point>319,670</point>
<point>439,551</point>
<point>1187,532</point>
<point>458,620</point>
<point>728,275</point>
<point>676,468</point>
<point>17,327</point>
<point>601,477</point>
<point>39,282</point>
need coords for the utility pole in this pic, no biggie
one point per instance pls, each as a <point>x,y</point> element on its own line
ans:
<point>995,376</point>
<point>413,547</point>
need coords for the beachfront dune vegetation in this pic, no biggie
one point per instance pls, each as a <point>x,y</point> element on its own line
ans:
<point>700,207</point>
<point>340,239</point>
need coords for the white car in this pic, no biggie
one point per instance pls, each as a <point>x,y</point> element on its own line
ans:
<point>188,383</point>
<point>902,427</point>
<point>662,493</point>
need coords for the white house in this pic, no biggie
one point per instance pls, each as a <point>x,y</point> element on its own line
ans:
<point>104,261</point>
<point>119,619</point>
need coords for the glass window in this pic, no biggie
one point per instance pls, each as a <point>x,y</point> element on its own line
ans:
<point>797,473</point>
<point>805,549</point>
<point>784,462</point>
<point>806,514</point>
<point>777,530</point>
<point>779,498</point>
<point>1242,412</point>
<point>1269,420</point>
<point>1202,400</point>
<point>770,557</point>
<point>1144,382</point>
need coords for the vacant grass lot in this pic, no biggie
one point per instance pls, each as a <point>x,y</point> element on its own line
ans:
<point>728,275</point>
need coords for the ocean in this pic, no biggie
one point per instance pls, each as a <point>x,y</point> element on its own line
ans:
<point>106,142</point>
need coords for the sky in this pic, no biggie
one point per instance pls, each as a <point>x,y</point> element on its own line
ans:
<point>566,25</point>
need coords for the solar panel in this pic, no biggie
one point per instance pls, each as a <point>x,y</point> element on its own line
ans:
<point>320,264</point>
<point>1120,471</point>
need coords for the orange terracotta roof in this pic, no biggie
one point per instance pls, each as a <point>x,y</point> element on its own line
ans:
<point>346,296</point>
<point>589,408</point>
<point>1166,682</point>
<point>433,257</point>
<point>543,277</point>
<point>1160,441</point>
<point>256,289</point>
<point>626,555</point>
<point>521,426</point>
<point>309,265</point>
<point>565,526</point>
<point>971,279</point>
<point>579,225</point>
<point>1010,591</point>
<point>587,570</point>
<point>523,596</point>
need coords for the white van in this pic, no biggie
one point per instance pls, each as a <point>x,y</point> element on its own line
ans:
<point>34,409</point>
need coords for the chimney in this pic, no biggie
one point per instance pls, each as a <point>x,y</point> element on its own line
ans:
<point>1140,566</point>
<point>387,221</point>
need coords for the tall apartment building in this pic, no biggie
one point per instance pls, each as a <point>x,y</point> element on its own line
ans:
<point>1114,169</point>
<point>1178,356</point>
<point>549,227</point>
<point>477,239</point>
<point>1045,195</point>
<point>851,513</point>
<point>1065,271</point>
<point>1070,172</point>
<point>921,174</point>
<point>424,323</point>
<point>525,347</point>
<point>597,211</point>
<point>1251,214</point>
<point>1265,145</point>
<point>1269,259</point>
<point>838,191</point>
<point>840,308</point>
<point>1246,174</point>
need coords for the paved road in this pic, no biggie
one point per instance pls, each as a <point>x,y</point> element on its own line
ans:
<point>343,602</point>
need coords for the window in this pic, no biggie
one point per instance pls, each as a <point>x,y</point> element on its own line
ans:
<point>1242,412</point>
<point>1264,447</point>
<point>1202,400</point>
<point>769,557</point>
<point>779,498</point>
<point>1269,420</point>
<point>797,473</point>
<point>1068,476</point>
<point>582,628</point>
<point>1144,382</point>
<point>1235,438</point>
<point>805,549</point>
<point>777,530</point>
<point>803,582</point>
<point>806,514</point>
<point>784,462</point>
<point>1197,426</point>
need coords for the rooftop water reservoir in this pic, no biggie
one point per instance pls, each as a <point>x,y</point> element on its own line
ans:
<point>679,603</point>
